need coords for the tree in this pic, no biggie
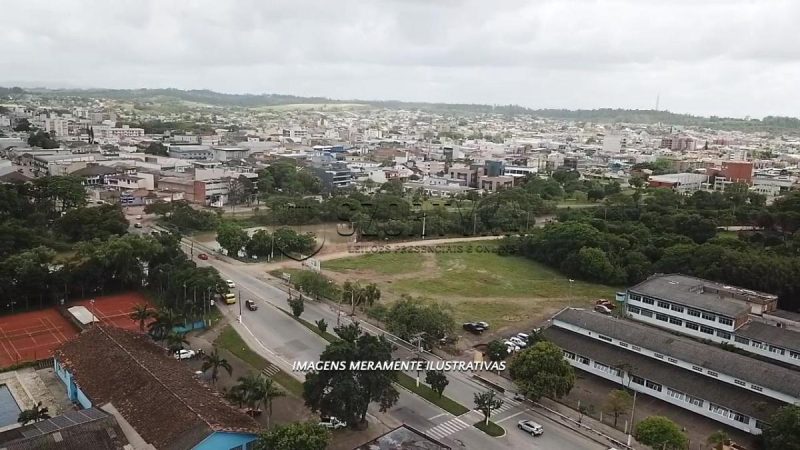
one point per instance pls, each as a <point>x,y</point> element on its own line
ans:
<point>718,439</point>
<point>85,224</point>
<point>542,371</point>
<point>661,433</point>
<point>297,305</point>
<point>232,238</point>
<point>497,351</point>
<point>437,380</point>
<point>34,414</point>
<point>42,139</point>
<point>23,125</point>
<point>322,325</point>
<point>413,316</point>
<point>156,148</point>
<point>783,429</point>
<point>347,393</point>
<point>618,403</point>
<point>214,362</point>
<point>165,321</point>
<point>305,435</point>
<point>258,390</point>
<point>141,313</point>
<point>486,403</point>
<point>260,244</point>
<point>175,341</point>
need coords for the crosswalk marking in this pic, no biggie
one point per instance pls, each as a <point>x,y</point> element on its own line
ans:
<point>271,370</point>
<point>447,428</point>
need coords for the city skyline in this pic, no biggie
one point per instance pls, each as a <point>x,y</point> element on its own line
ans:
<point>719,58</point>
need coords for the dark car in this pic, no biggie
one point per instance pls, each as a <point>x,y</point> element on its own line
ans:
<point>474,328</point>
<point>251,305</point>
<point>202,256</point>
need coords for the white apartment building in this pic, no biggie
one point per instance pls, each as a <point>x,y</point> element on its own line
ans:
<point>733,389</point>
<point>614,142</point>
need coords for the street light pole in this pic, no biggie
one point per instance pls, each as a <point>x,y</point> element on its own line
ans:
<point>240,304</point>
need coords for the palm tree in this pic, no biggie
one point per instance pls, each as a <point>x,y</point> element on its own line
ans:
<point>257,390</point>
<point>213,361</point>
<point>165,321</point>
<point>34,414</point>
<point>175,341</point>
<point>141,313</point>
<point>718,439</point>
<point>268,391</point>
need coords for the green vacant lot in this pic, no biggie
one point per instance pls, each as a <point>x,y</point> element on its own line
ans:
<point>480,285</point>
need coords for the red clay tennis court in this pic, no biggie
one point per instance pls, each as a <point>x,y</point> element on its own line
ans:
<point>115,309</point>
<point>32,335</point>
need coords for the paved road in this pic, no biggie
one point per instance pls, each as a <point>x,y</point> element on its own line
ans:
<point>283,340</point>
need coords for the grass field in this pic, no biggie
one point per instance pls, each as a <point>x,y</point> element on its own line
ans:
<point>382,263</point>
<point>501,290</point>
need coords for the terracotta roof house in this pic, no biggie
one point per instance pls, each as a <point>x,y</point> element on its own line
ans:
<point>154,397</point>
<point>74,430</point>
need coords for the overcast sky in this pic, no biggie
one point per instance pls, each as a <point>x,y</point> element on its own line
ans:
<point>722,57</point>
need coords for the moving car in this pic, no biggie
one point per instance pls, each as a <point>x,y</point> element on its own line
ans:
<point>519,397</point>
<point>251,305</point>
<point>202,256</point>
<point>331,423</point>
<point>185,354</point>
<point>139,217</point>
<point>230,283</point>
<point>137,225</point>
<point>474,328</point>
<point>230,298</point>
<point>530,427</point>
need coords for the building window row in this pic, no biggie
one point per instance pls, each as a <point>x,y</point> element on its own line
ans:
<point>684,397</point>
<point>678,308</point>
<point>634,309</point>
<point>605,338</point>
<point>604,368</point>
<point>740,383</point>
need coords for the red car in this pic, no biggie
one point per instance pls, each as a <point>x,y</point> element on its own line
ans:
<point>202,256</point>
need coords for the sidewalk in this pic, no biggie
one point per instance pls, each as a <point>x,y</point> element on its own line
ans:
<point>565,416</point>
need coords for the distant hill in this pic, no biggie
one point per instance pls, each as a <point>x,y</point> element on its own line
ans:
<point>605,115</point>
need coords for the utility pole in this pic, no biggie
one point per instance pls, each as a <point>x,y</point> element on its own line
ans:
<point>240,304</point>
<point>424,216</point>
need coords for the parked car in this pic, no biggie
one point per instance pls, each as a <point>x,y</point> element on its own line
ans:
<point>185,354</point>
<point>519,342</point>
<point>331,423</point>
<point>483,324</point>
<point>202,256</point>
<point>531,427</point>
<point>474,328</point>
<point>523,336</point>
<point>137,225</point>
<point>602,309</point>
<point>251,305</point>
<point>230,284</point>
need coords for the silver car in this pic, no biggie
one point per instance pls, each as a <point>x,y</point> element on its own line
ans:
<point>530,427</point>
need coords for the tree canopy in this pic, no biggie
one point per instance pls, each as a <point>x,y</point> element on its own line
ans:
<point>542,371</point>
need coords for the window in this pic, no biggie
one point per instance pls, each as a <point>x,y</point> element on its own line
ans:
<point>794,355</point>
<point>647,312</point>
<point>569,355</point>
<point>740,382</point>
<point>622,344</point>
<point>662,317</point>
<point>706,330</point>
<point>653,386</point>
<point>708,316</point>
<point>723,334</point>
<point>777,350</point>
<point>648,300</point>
<point>756,388</point>
<point>712,373</point>
<point>672,360</point>
<point>697,368</point>
<point>716,409</point>
<point>606,369</point>
<point>692,326</point>
<point>658,355</point>
<point>634,309</point>
<point>677,308</point>
<point>739,417</point>
<point>635,297</point>
<point>694,400</point>
<point>725,321</point>
<point>675,321</point>
<point>663,304</point>
<point>760,345</point>
<point>637,380</point>
<point>636,348</point>
<point>741,340</point>
<point>676,394</point>
<point>605,338</point>
<point>694,312</point>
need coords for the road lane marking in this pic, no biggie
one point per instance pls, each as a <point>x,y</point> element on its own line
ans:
<point>438,415</point>
<point>510,417</point>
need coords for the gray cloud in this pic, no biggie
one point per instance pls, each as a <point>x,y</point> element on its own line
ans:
<point>724,57</point>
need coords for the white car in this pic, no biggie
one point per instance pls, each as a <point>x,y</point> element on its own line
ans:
<point>185,354</point>
<point>531,427</point>
<point>523,336</point>
<point>511,347</point>
<point>139,217</point>
<point>331,423</point>
<point>518,342</point>
<point>230,284</point>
